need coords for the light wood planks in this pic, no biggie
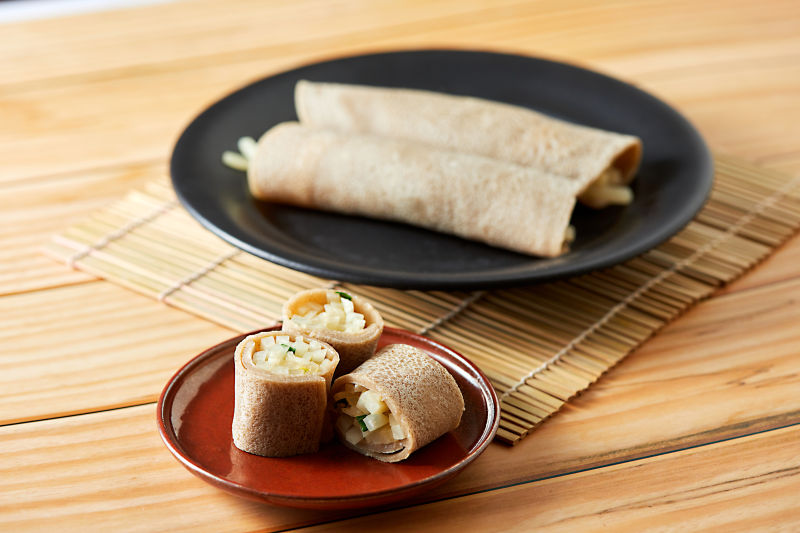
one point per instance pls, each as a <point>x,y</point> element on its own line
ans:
<point>688,385</point>
<point>670,395</point>
<point>250,29</point>
<point>74,104</point>
<point>69,119</point>
<point>31,211</point>
<point>539,346</point>
<point>110,472</point>
<point>98,46</point>
<point>91,347</point>
<point>100,90</point>
<point>740,485</point>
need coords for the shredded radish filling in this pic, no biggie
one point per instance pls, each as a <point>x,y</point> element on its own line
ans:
<point>240,160</point>
<point>337,314</point>
<point>280,355</point>
<point>365,418</point>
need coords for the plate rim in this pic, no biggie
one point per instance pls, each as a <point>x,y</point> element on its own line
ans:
<point>333,268</point>
<point>374,498</point>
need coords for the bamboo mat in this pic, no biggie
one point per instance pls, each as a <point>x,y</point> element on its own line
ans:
<point>539,345</point>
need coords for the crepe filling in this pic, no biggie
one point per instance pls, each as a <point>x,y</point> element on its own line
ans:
<point>280,355</point>
<point>365,419</point>
<point>338,314</point>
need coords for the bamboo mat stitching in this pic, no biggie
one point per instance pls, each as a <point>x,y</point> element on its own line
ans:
<point>121,232</point>
<point>163,295</point>
<point>616,309</point>
<point>732,230</point>
<point>475,296</point>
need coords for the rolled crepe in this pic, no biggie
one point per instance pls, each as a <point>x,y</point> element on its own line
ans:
<point>354,345</point>
<point>471,196</point>
<point>278,412</point>
<point>402,397</point>
<point>600,162</point>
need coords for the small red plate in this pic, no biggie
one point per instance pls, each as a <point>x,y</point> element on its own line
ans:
<point>195,411</point>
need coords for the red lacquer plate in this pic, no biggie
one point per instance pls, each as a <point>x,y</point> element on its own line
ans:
<point>195,411</point>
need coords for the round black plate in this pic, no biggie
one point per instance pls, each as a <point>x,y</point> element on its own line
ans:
<point>672,184</point>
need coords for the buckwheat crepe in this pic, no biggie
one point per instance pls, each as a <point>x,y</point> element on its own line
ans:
<point>600,163</point>
<point>353,347</point>
<point>475,197</point>
<point>278,415</point>
<point>418,394</point>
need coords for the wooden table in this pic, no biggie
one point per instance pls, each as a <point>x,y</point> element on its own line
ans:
<point>699,429</point>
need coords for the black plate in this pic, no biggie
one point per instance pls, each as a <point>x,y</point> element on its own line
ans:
<point>672,184</point>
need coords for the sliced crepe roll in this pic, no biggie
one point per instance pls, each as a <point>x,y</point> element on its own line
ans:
<point>396,403</point>
<point>600,162</point>
<point>281,389</point>
<point>348,323</point>
<point>471,196</point>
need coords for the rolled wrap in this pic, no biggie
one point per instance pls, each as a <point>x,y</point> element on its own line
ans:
<point>278,415</point>
<point>467,195</point>
<point>353,348</point>
<point>418,391</point>
<point>474,125</point>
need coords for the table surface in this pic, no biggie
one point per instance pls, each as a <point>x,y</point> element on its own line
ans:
<point>698,429</point>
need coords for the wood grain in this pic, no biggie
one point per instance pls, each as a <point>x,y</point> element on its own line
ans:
<point>98,45</point>
<point>659,400</point>
<point>70,121</point>
<point>90,347</point>
<point>110,471</point>
<point>738,485</point>
<point>32,211</point>
<point>509,334</point>
<point>695,382</point>
<point>90,106</point>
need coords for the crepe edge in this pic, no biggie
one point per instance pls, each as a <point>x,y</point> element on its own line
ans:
<point>414,416</point>
<point>353,348</point>
<point>256,391</point>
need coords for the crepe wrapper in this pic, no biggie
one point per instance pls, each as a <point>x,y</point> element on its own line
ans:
<point>278,415</point>
<point>418,390</point>
<point>472,125</point>
<point>475,197</point>
<point>353,348</point>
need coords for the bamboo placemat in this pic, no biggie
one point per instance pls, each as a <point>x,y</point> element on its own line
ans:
<point>539,345</point>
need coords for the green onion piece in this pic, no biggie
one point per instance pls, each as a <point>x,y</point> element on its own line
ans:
<point>361,423</point>
<point>344,295</point>
<point>342,402</point>
<point>290,348</point>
